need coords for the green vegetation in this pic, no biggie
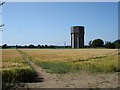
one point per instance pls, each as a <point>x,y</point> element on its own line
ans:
<point>117,43</point>
<point>100,43</point>
<point>10,77</point>
<point>56,67</point>
<point>101,64</point>
<point>97,65</point>
<point>109,45</point>
<point>96,43</point>
<point>15,69</point>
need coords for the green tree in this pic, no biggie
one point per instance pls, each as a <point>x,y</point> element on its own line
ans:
<point>117,43</point>
<point>109,45</point>
<point>46,46</point>
<point>4,46</point>
<point>31,46</point>
<point>39,46</point>
<point>97,43</point>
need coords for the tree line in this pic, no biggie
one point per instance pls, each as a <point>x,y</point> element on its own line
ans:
<point>97,43</point>
<point>100,43</point>
<point>33,46</point>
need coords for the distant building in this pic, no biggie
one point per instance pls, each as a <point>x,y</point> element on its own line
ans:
<point>77,36</point>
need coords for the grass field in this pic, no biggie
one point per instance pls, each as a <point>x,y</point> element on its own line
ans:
<point>72,60</point>
<point>15,68</point>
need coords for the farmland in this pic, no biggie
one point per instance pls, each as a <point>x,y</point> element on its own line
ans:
<point>70,60</point>
<point>60,66</point>
<point>15,69</point>
<point>67,54</point>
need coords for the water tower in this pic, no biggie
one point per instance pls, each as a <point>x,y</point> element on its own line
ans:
<point>77,36</point>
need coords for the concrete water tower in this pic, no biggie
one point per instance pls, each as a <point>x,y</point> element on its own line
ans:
<point>77,36</point>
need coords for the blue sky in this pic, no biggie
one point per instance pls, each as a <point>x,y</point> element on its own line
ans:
<point>50,22</point>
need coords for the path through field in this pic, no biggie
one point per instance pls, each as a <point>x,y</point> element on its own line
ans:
<point>72,80</point>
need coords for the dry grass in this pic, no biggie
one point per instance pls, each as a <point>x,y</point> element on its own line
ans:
<point>15,68</point>
<point>70,60</point>
<point>11,58</point>
<point>66,54</point>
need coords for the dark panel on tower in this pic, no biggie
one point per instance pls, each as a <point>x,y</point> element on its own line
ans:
<point>77,36</point>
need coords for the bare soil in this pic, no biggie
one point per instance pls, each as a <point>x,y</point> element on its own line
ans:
<point>77,80</point>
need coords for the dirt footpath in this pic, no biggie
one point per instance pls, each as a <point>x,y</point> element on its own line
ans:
<point>77,80</point>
